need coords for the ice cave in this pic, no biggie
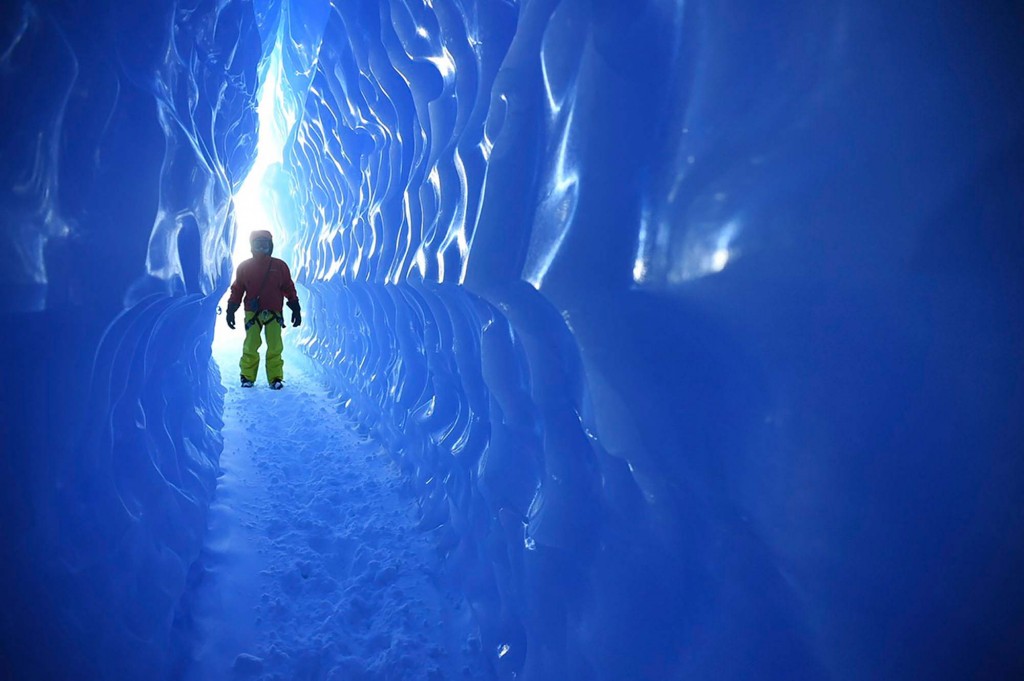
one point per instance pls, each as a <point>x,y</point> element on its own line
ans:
<point>641,340</point>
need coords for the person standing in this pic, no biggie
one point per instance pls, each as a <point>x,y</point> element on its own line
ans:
<point>265,282</point>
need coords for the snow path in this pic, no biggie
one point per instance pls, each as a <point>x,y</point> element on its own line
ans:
<point>313,566</point>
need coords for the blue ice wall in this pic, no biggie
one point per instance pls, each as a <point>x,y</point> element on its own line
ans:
<point>697,326</point>
<point>124,127</point>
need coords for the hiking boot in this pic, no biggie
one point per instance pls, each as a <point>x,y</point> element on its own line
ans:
<point>276,384</point>
<point>246,383</point>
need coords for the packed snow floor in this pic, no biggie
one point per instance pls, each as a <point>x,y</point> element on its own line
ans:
<point>314,567</point>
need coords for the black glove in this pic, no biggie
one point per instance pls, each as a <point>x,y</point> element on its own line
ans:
<point>296,312</point>
<point>231,315</point>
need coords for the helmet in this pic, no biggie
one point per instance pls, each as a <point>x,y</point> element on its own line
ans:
<point>261,241</point>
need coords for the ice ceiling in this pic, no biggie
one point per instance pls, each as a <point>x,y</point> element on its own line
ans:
<point>696,327</point>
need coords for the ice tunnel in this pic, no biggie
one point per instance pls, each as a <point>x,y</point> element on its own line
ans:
<point>696,329</point>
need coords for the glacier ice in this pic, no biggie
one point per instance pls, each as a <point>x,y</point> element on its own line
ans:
<point>696,327</point>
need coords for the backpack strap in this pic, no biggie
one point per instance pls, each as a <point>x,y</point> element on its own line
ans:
<point>263,285</point>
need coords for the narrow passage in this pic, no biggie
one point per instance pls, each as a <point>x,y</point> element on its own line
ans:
<point>314,567</point>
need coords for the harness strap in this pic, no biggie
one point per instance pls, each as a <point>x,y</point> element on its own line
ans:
<point>249,323</point>
<point>270,261</point>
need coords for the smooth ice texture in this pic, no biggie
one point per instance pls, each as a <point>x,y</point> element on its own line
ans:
<point>696,327</point>
<point>125,127</point>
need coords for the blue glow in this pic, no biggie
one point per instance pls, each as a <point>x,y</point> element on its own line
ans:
<point>695,328</point>
<point>254,202</point>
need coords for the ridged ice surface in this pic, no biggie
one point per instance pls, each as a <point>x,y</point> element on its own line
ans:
<point>661,306</point>
<point>125,127</point>
<point>697,326</point>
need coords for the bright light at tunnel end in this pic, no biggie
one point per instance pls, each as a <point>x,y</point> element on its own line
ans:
<point>254,203</point>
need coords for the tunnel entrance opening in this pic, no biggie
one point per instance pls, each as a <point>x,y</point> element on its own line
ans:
<point>259,200</point>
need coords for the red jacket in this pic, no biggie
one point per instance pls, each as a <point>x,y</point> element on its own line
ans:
<point>249,279</point>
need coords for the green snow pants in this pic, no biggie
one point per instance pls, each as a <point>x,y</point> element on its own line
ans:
<point>250,362</point>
